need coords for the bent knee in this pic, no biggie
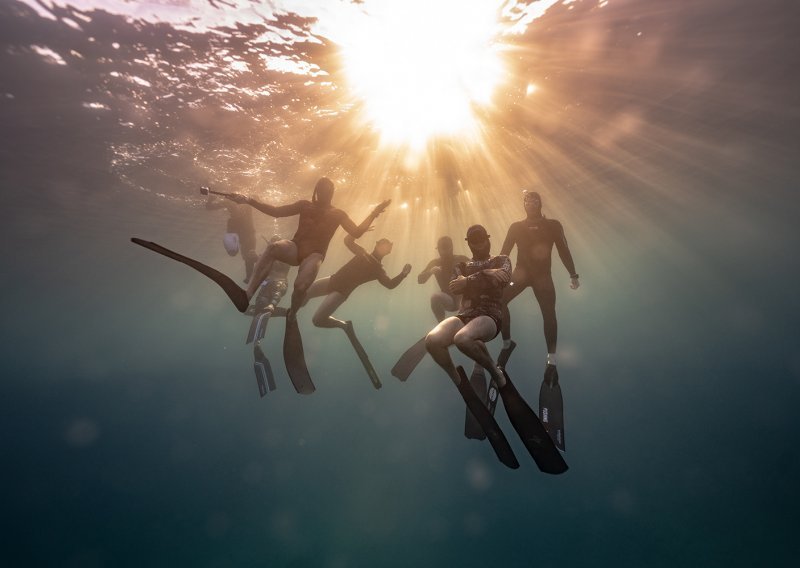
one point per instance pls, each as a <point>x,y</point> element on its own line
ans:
<point>462,339</point>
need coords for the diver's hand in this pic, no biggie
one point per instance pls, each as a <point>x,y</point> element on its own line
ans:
<point>435,270</point>
<point>574,284</point>
<point>381,207</point>
<point>406,270</point>
<point>458,285</point>
<point>498,275</point>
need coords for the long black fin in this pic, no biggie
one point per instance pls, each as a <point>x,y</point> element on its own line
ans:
<point>294,358</point>
<point>409,360</point>
<point>536,439</point>
<point>472,428</point>
<point>362,354</point>
<point>236,294</point>
<point>551,406</point>
<point>490,427</point>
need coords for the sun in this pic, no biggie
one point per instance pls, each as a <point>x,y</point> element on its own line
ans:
<point>421,68</point>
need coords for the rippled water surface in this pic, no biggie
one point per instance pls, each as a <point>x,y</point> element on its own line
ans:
<point>663,135</point>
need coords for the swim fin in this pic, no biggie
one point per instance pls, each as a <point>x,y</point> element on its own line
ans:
<point>487,422</point>
<point>505,353</point>
<point>409,360</point>
<point>231,288</point>
<point>263,370</point>
<point>294,357</point>
<point>551,406</point>
<point>472,429</point>
<point>362,354</point>
<point>258,326</point>
<point>536,439</point>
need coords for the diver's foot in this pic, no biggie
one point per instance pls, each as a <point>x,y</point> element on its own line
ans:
<point>348,327</point>
<point>550,375</point>
<point>505,353</point>
<point>291,316</point>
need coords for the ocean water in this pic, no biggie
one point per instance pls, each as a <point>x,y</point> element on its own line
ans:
<point>662,135</point>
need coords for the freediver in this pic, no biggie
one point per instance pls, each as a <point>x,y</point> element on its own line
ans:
<point>480,282</point>
<point>362,268</point>
<point>534,238</point>
<point>240,233</point>
<point>442,268</point>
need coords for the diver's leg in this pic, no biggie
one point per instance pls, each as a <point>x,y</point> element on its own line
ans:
<point>305,277</point>
<point>437,342</point>
<point>323,317</point>
<point>441,303</point>
<point>285,251</point>
<point>320,287</point>
<point>545,293</point>
<point>471,339</point>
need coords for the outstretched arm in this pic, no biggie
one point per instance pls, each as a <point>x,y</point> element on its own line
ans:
<point>271,210</point>
<point>391,283</point>
<point>429,271</point>
<point>358,230</point>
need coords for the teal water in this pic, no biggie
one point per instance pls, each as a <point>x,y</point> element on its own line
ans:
<point>130,425</point>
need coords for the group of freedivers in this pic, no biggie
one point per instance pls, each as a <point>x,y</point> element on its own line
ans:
<point>479,289</point>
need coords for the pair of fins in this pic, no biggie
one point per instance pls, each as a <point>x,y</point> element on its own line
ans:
<point>265,378</point>
<point>551,402</point>
<point>524,420</point>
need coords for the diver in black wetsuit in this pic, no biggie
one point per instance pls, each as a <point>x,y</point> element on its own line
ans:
<point>240,234</point>
<point>362,268</point>
<point>442,268</point>
<point>319,220</point>
<point>481,282</point>
<point>534,238</point>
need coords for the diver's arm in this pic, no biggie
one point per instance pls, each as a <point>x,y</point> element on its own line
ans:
<point>358,230</point>
<point>353,246</point>
<point>392,283</point>
<point>566,256</point>
<point>271,210</point>
<point>489,278</point>
<point>510,241</point>
<point>425,275</point>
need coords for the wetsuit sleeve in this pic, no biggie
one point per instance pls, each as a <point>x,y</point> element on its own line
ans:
<point>481,281</point>
<point>425,275</point>
<point>391,283</point>
<point>563,249</point>
<point>277,210</point>
<point>510,241</point>
<point>353,246</point>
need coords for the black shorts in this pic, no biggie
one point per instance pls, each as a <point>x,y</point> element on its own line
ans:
<point>496,319</point>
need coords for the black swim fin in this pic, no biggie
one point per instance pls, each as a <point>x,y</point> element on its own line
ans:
<point>487,422</point>
<point>231,288</point>
<point>409,360</point>
<point>294,357</point>
<point>362,354</point>
<point>505,353</point>
<point>536,439</point>
<point>263,370</point>
<point>551,406</point>
<point>472,429</point>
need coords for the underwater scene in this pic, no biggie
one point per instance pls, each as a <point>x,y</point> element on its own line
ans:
<point>337,204</point>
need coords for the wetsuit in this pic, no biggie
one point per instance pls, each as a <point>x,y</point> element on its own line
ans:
<point>483,295</point>
<point>315,229</point>
<point>534,239</point>
<point>360,270</point>
<point>447,265</point>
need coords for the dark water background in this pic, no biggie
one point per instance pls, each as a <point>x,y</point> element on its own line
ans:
<point>130,429</point>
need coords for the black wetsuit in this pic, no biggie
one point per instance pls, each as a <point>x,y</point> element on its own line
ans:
<point>360,270</point>
<point>315,229</point>
<point>534,239</point>
<point>483,295</point>
<point>241,223</point>
<point>447,265</point>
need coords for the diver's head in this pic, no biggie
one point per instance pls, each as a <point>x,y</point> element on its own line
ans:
<point>478,241</point>
<point>532,202</point>
<point>382,248</point>
<point>323,191</point>
<point>445,246</point>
